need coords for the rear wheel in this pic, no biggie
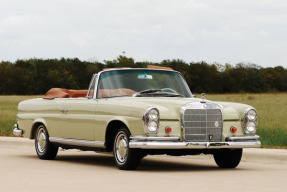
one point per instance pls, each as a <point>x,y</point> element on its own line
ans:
<point>228,158</point>
<point>44,148</point>
<point>125,158</point>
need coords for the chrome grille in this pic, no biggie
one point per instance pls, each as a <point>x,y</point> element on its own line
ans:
<point>202,122</point>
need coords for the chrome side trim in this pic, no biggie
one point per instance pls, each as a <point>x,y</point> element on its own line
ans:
<point>240,138</point>
<point>77,142</point>
<point>145,138</point>
<point>193,145</point>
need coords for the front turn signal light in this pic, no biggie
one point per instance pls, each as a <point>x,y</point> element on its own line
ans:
<point>168,129</point>
<point>233,129</point>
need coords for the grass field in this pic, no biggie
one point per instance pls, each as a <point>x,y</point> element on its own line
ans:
<point>271,108</point>
<point>8,111</point>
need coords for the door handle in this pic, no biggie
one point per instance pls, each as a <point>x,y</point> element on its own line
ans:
<point>64,110</point>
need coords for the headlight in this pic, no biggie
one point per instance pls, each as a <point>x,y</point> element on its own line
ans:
<point>151,120</point>
<point>153,114</point>
<point>152,126</point>
<point>251,127</point>
<point>251,115</point>
<point>250,121</point>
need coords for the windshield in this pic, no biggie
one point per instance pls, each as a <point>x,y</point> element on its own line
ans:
<point>142,83</point>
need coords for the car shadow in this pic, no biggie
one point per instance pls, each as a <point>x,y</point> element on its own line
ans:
<point>147,164</point>
<point>82,159</point>
<point>163,166</point>
<point>95,160</point>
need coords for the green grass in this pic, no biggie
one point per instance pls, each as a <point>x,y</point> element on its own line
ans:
<point>271,108</point>
<point>8,111</point>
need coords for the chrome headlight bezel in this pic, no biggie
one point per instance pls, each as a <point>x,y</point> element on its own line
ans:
<point>151,120</point>
<point>249,121</point>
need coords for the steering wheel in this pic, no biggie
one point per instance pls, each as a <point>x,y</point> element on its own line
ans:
<point>169,90</point>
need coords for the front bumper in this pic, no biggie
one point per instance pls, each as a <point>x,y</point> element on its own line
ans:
<point>174,143</point>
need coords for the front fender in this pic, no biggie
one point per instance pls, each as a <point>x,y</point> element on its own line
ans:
<point>135,125</point>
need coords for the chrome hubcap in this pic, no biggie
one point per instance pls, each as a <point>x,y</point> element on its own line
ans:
<point>41,140</point>
<point>121,147</point>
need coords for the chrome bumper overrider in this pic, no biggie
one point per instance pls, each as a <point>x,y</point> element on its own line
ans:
<point>174,143</point>
<point>17,131</point>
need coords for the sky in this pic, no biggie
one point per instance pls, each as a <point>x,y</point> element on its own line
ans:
<point>222,31</point>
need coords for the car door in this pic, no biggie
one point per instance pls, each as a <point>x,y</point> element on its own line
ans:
<point>78,119</point>
<point>52,115</point>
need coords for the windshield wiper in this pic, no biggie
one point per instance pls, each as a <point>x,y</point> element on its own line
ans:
<point>157,92</point>
<point>171,94</point>
<point>149,91</point>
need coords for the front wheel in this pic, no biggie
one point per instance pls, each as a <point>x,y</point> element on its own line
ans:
<point>44,148</point>
<point>125,158</point>
<point>228,158</point>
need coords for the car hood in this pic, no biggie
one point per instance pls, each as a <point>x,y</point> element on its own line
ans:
<point>169,107</point>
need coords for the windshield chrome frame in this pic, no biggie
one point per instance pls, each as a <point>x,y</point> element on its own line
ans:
<point>90,86</point>
<point>95,96</point>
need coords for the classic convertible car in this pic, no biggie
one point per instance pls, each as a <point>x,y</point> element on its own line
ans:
<point>134,113</point>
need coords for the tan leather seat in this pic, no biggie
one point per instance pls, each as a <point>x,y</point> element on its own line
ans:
<point>65,93</point>
<point>104,93</point>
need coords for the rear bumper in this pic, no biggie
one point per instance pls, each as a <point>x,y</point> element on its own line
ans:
<point>18,132</point>
<point>174,143</point>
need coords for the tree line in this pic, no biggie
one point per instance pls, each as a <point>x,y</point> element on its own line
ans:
<point>36,76</point>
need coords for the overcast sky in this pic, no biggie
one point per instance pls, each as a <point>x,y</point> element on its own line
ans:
<point>223,31</point>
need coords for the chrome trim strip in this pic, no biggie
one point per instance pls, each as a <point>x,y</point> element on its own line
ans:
<point>145,138</point>
<point>95,96</point>
<point>193,145</point>
<point>77,142</point>
<point>240,138</point>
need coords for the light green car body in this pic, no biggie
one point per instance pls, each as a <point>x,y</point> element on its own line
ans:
<point>121,124</point>
<point>88,119</point>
